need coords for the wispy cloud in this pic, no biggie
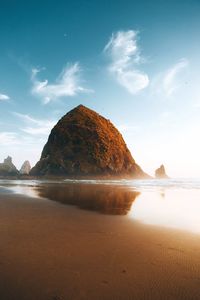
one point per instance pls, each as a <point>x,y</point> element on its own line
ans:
<point>4,97</point>
<point>166,119</point>
<point>26,142</point>
<point>125,59</point>
<point>169,82</point>
<point>36,126</point>
<point>67,84</point>
<point>8,138</point>
<point>128,128</point>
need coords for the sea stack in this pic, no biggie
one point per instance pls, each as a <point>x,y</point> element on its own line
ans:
<point>160,172</point>
<point>7,168</point>
<point>83,143</point>
<point>25,168</point>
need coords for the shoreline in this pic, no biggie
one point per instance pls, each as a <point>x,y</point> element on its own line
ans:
<point>76,177</point>
<point>51,251</point>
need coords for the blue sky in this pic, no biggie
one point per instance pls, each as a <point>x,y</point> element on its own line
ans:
<point>135,62</point>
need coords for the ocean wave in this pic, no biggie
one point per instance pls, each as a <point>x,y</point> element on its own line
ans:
<point>151,184</point>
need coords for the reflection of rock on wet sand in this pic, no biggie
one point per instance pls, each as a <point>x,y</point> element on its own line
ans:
<point>105,199</point>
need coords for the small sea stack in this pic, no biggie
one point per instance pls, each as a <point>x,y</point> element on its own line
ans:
<point>160,173</point>
<point>25,168</point>
<point>7,168</point>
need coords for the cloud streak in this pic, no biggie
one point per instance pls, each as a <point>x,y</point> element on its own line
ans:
<point>36,127</point>
<point>124,128</point>
<point>8,138</point>
<point>66,85</point>
<point>4,97</point>
<point>169,82</point>
<point>30,138</point>
<point>125,56</point>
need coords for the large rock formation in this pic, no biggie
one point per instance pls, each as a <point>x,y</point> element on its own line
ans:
<point>83,143</point>
<point>25,168</point>
<point>161,173</point>
<point>7,168</point>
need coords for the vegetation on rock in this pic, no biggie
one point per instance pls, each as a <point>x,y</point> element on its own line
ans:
<point>85,143</point>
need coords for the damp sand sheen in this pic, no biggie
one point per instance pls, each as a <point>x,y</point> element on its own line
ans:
<point>99,240</point>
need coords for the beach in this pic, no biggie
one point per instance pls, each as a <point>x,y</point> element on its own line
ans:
<point>52,251</point>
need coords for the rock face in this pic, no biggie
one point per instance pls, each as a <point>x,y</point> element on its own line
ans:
<point>7,168</point>
<point>83,143</point>
<point>25,168</point>
<point>160,172</point>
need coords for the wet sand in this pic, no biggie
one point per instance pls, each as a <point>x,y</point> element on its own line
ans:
<point>51,251</point>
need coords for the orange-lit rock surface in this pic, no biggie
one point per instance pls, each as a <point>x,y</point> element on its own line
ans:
<point>85,143</point>
<point>160,172</point>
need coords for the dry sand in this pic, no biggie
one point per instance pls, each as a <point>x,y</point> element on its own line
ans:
<point>50,251</point>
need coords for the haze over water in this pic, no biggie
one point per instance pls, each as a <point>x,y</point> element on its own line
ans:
<point>170,203</point>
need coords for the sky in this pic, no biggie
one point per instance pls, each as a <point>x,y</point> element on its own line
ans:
<point>136,63</point>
